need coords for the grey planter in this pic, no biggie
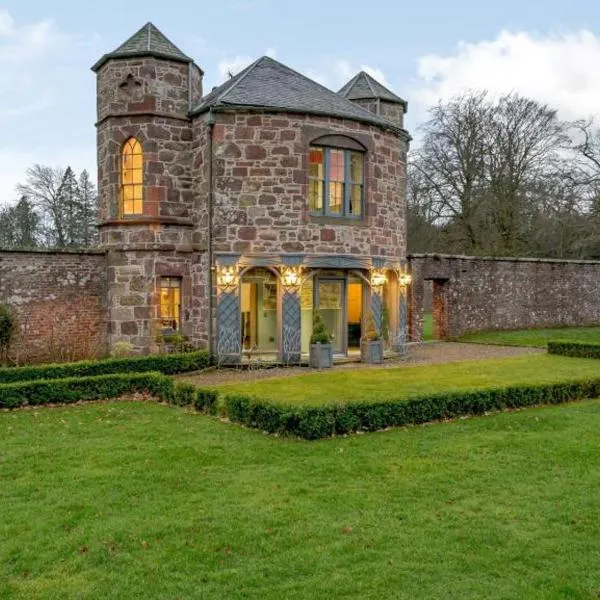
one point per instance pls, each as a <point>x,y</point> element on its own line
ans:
<point>371,351</point>
<point>321,356</point>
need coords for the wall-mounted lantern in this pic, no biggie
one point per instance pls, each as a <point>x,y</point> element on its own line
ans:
<point>291,277</point>
<point>227,277</point>
<point>378,278</point>
<point>404,279</point>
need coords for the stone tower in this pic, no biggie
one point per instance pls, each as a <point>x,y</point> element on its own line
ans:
<point>367,92</point>
<point>145,90</point>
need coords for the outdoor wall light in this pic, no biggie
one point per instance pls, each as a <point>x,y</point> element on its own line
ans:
<point>404,279</point>
<point>227,277</point>
<point>291,277</point>
<point>378,278</point>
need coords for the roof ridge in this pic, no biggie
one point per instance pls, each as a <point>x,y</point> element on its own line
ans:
<point>148,34</point>
<point>368,80</point>
<point>240,77</point>
<point>364,110</point>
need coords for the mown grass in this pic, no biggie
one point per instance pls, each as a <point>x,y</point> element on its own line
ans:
<point>380,384</point>
<point>139,500</point>
<point>537,338</point>
<point>427,327</point>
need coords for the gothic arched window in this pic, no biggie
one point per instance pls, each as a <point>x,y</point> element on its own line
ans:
<point>132,175</point>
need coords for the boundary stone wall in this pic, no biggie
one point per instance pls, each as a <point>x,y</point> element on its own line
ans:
<point>60,301</point>
<point>481,294</point>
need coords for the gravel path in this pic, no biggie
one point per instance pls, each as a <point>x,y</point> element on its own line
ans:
<point>427,354</point>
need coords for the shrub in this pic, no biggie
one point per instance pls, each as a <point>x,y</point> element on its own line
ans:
<point>318,422</point>
<point>121,349</point>
<point>8,326</point>
<point>167,364</point>
<point>320,335</point>
<point>184,394</point>
<point>206,400</point>
<point>578,349</point>
<point>77,389</point>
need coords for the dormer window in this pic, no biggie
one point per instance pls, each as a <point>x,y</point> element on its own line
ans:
<point>335,182</point>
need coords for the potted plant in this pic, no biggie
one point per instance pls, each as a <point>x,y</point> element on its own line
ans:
<point>321,352</point>
<point>371,345</point>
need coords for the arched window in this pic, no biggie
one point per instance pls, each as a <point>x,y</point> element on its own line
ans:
<point>132,175</point>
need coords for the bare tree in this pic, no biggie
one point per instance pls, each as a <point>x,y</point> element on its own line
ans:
<point>44,188</point>
<point>450,161</point>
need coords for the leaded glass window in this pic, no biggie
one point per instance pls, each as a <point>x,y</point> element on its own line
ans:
<point>132,175</point>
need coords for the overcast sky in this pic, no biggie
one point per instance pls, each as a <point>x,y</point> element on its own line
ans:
<point>424,51</point>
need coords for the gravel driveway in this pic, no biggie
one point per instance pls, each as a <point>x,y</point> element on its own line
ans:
<point>427,354</point>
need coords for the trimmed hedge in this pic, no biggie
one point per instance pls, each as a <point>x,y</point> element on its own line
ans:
<point>101,387</point>
<point>318,422</point>
<point>77,389</point>
<point>578,349</point>
<point>167,364</point>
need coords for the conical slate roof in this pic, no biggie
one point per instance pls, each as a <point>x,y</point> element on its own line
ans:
<point>364,87</point>
<point>269,84</point>
<point>148,41</point>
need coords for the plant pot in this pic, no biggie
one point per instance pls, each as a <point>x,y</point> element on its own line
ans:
<point>321,356</point>
<point>371,351</point>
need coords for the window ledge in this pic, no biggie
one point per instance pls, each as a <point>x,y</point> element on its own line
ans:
<point>141,220</point>
<point>327,220</point>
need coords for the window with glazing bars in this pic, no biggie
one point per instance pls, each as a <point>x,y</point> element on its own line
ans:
<point>132,176</point>
<point>335,182</point>
<point>170,303</point>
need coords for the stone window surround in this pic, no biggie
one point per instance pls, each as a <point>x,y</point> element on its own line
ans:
<point>312,134</point>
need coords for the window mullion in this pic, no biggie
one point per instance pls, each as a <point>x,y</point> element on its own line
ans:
<point>347,183</point>
<point>326,181</point>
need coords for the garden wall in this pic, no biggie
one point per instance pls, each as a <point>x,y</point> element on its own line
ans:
<point>477,294</point>
<point>59,298</point>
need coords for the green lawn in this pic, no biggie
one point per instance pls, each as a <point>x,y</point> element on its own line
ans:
<point>393,383</point>
<point>139,500</point>
<point>534,337</point>
<point>427,327</point>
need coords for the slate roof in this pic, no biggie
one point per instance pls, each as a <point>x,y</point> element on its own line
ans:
<point>363,87</point>
<point>148,41</point>
<point>269,84</point>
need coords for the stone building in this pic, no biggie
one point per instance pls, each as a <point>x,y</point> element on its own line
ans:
<point>232,216</point>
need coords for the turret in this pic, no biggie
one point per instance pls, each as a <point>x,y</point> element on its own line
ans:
<point>145,91</point>
<point>371,95</point>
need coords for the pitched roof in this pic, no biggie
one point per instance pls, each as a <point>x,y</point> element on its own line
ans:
<point>148,41</point>
<point>269,84</point>
<point>363,86</point>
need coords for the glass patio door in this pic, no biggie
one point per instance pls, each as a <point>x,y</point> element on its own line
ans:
<point>331,303</point>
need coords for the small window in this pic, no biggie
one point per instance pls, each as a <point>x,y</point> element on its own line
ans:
<point>170,303</point>
<point>335,182</point>
<point>132,175</point>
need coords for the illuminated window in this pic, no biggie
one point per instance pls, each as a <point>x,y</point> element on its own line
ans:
<point>132,175</point>
<point>170,303</point>
<point>335,182</point>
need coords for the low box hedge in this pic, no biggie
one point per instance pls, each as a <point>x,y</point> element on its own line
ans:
<point>167,364</point>
<point>77,389</point>
<point>576,349</point>
<point>100,387</point>
<point>319,422</point>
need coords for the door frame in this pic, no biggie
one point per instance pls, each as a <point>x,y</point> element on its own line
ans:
<point>344,281</point>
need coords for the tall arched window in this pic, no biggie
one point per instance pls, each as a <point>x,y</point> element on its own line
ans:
<point>132,175</point>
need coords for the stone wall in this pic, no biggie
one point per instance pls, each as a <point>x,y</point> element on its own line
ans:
<point>261,188</point>
<point>59,298</point>
<point>477,294</point>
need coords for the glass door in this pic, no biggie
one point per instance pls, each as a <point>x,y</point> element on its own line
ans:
<point>331,302</point>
